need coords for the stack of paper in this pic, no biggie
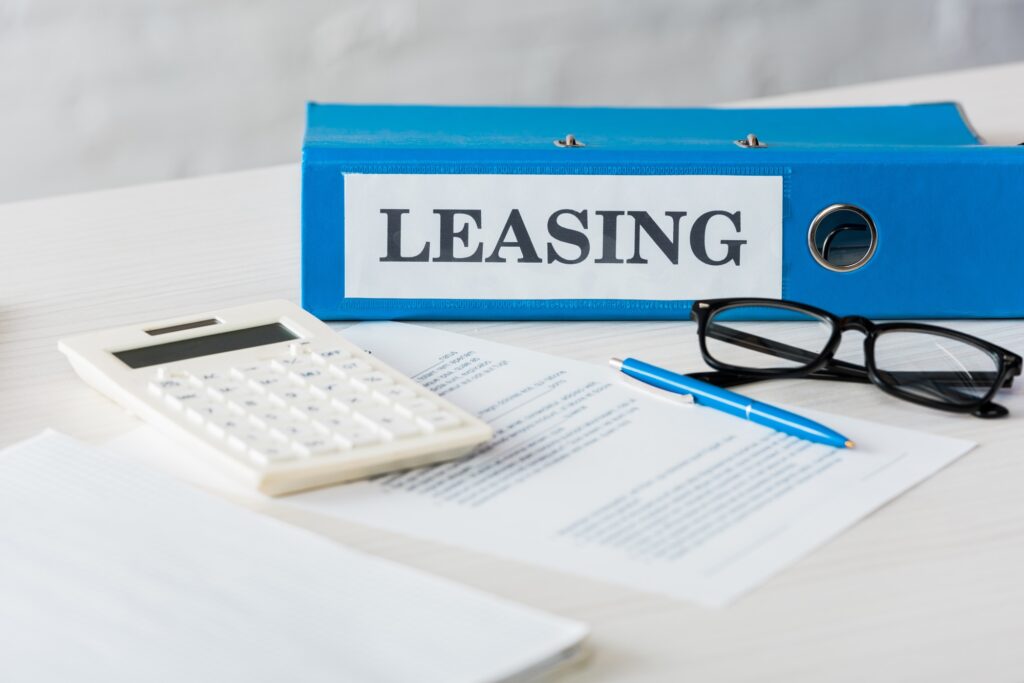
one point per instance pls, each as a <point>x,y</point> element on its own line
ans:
<point>111,573</point>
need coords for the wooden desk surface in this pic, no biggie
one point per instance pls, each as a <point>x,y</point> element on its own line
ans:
<point>930,588</point>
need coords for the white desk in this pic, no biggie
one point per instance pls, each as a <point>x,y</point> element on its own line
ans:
<point>929,588</point>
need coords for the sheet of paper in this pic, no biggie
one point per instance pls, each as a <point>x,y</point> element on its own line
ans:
<point>112,572</point>
<point>590,476</point>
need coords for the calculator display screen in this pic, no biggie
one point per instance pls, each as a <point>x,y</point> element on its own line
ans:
<point>205,345</point>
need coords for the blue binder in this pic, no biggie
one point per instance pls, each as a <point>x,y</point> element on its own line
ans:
<point>420,212</point>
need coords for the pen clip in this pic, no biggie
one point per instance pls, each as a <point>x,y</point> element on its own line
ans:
<point>668,396</point>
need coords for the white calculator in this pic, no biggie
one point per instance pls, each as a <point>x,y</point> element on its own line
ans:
<point>275,395</point>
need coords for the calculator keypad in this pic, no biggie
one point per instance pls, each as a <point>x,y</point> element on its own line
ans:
<point>306,403</point>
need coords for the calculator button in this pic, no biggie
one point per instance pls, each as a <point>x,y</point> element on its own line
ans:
<point>439,420</point>
<point>321,444</point>
<point>287,396</point>
<point>351,366</point>
<point>353,401</point>
<point>391,425</point>
<point>288,428</point>
<point>333,421</point>
<point>159,386</point>
<point>225,389</point>
<point>179,398</point>
<point>416,406</point>
<point>357,437</point>
<point>259,447</point>
<point>170,373</point>
<point>306,374</point>
<point>207,376</point>
<point>395,392</point>
<point>329,386</point>
<point>371,380</point>
<point>200,411</point>
<point>245,402</point>
<point>313,408</point>
<point>298,363</point>
<point>289,363</point>
<point>226,426</point>
<point>330,354</point>
<point>397,427</point>
<point>243,371</point>
<point>243,439</point>
<point>374,411</point>
<point>296,431</point>
<point>269,453</point>
<point>268,416</point>
<point>267,380</point>
<point>264,375</point>
<point>301,348</point>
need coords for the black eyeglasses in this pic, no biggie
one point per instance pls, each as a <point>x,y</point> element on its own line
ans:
<point>747,340</point>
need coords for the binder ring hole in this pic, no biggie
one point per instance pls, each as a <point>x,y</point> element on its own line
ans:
<point>842,237</point>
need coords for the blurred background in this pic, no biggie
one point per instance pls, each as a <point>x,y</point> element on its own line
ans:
<point>114,92</point>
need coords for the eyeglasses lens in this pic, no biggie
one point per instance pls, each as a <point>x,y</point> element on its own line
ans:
<point>766,337</point>
<point>935,367</point>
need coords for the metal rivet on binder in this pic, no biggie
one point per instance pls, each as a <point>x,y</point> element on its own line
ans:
<point>842,237</point>
<point>750,141</point>
<point>569,141</point>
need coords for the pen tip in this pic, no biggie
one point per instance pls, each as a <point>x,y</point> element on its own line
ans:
<point>850,444</point>
<point>615,363</point>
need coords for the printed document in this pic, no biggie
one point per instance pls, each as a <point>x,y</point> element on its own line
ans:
<point>112,572</point>
<point>589,475</point>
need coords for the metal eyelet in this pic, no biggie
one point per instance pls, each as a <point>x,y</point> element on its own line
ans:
<point>569,141</point>
<point>750,142</point>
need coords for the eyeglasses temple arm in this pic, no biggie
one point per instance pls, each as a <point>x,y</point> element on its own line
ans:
<point>775,348</point>
<point>726,378</point>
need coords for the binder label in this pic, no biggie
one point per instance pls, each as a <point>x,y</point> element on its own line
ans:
<point>456,236</point>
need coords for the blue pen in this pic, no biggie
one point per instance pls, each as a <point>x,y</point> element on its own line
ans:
<point>730,402</point>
